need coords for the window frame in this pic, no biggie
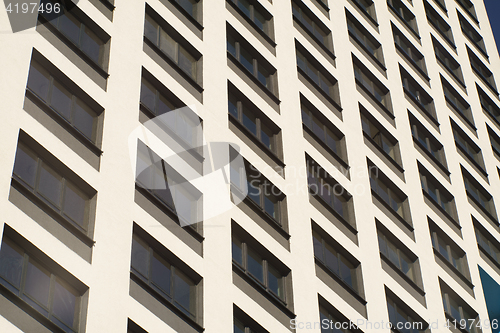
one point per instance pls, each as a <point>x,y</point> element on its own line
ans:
<point>419,96</point>
<point>458,103</point>
<point>364,38</point>
<point>467,146</point>
<point>468,7</point>
<point>448,62</point>
<point>494,140</point>
<point>488,105</point>
<point>477,193</point>
<point>493,250</point>
<point>446,292</point>
<point>442,195</point>
<point>316,24</point>
<point>370,84</point>
<point>450,247</point>
<point>197,12</point>
<point>402,12</point>
<point>439,24</point>
<point>472,35</point>
<point>255,6</point>
<point>409,51</point>
<point>481,70</point>
<point>427,141</point>
<point>412,259</point>
<point>399,310</point>
<point>367,7</point>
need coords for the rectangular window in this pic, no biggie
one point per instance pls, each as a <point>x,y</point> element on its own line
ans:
<point>468,147</point>
<point>332,321</point>
<point>487,243</point>
<point>448,62</point>
<point>259,267</point>
<point>439,24</point>
<point>495,141</point>
<point>65,104</point>
<point>471,33</point>
<point>256,123</point>
<point>369,83</point>
<point>400,9</point>
<point>324,187</point>
<point>38,287</point>
<point>478,194</point>
<point>364,38</point>
<point>255,64</point>
<point>321,78</point>
<point>468,6</point>
<point>457,102</point>
<point>52,187</point>
<point>373,130</point>
<point>312,24</point>
<point>256,13</point>
<point>447,248</point>
<point>436,192</point>
<point>482,71</point>
<point>417,94</point>
<point>386,191</point>
<point>409,51</point>
<point>457,309</point>
<point>167,280</point>
<point>172,45</point>
<point>367,7</point>
<point>192,7</point>
<point>400,317</point>
<point>392,251</point>
<point>427,141</point>
<point>91,43</point>
<point>243,323</point>
<point>488,105</point>
<point>323,130</point>
<point>334,257</point>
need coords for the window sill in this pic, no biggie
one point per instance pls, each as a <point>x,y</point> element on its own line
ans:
<point>485,81</point>
<point>262,290</point>
<point>386,205</point>
<point>454,269</point>
<point>77,231</point>
<point>172,63</point>
<point>187,15</point>
<point>324,94</point>
<point>441,209</point>
<point>365,13</point>
<point>337,278</point>
<point>98,68</point>
<point>432,157</point>
<point>407,25</point>
<point>268,39</point>
<point>30,310</point>
<point>318,42</point>
<point>421,107</point>
<point>471,161</point>
<point>442,34</point>
<point>335,213</point>
<point>403,275</point>
<point>253,78</point>
<point>490,216</point>
<point>393,162</point>
<point>363,47</point>
<point>496,263</point>
<point>166,302</point>
<point>254,139</point>
<point>326,147</point>
<point>169,211</point>
<point>382,106</point>
<point>108,5</point>
<point>413,63</point>
<point>63,122</point>
<point>460,81</point>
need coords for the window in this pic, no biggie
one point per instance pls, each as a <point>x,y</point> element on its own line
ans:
<point>468,6</point>
<point>386,191</point>
<point>166,279</point>
<point>367,42</point>
<point>427,141</point>
<point>434,190</point>
<point>259,267</point>
<point>495,141</point>
<point>154,101</point>
<point>172,45</point>
<point>63,101</point>
<point>482,71</point>
<point>395,255</point>
<point>404,14</point>
<point>448,250</point>
<point>439,24</point>
<point>371,84</point>
<point>192,7</point>
<point>312,24</point>
<point>322,185</point>
<point>253,120</point>
<point>243,323</point>
<point>448,62</point>
<point>92,43</point>
<point>323,80</point>
<point>417,94</point>
<point>488,105</point>
<point>256,13</point>
<point>401,319</point>
<point>379,135</point>
<point>409,51</point>
<point>330,323</point>
<point>478,194</point>
<point>53,187</point>
<point>467,146</point>
<point>336,259</point>
<point>250,59</point>
<point>367,7</point>
<point>487,243</point>
<point>456,308</point>
<point>471,33</point>
<point>441,4</point>
<point>457,102</point>
<point>323,130</point>
<point>168,187</point>
<point>39,287</point>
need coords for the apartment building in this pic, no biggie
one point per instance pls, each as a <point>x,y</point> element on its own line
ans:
<point>354,144</point>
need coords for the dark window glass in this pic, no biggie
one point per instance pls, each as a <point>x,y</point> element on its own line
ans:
<point>255,13</point>
<point>311,23</point>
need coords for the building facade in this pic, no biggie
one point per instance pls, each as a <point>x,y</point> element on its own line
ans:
<point>359,179</point>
